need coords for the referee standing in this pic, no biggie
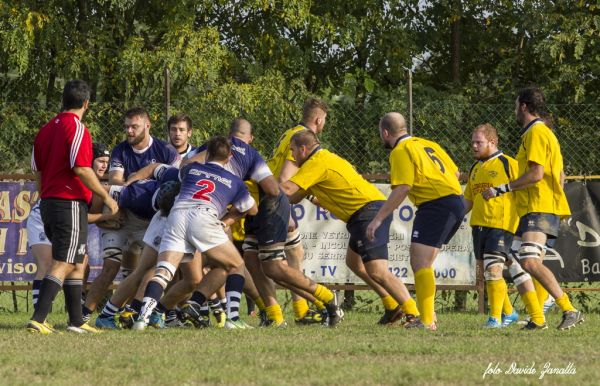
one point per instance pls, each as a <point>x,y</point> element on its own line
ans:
<point>62,160</point>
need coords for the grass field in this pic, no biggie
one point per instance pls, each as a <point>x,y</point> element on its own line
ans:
<point>357,353</point>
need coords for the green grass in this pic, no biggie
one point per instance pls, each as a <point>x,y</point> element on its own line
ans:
<point>356,353</point>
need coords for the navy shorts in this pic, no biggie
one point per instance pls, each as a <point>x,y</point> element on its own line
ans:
<point>438,220</point>
<point>357,226</point>
<point>488,240</point>
<point>539,222</point>
<point>66,225</point>
<point>270,225</point>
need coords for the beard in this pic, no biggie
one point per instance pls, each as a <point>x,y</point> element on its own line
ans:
<point>136,140</point>
<point>520,119</point>
<point>387,146</point>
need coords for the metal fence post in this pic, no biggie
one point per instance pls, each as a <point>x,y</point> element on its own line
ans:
<point>410,102</point>
<point>167,99</point>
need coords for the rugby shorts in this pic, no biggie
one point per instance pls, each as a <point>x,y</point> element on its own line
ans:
<point>66,226</point>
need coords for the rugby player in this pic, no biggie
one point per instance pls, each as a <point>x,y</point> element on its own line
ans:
<point>541,200</point>
<point>421,170</point>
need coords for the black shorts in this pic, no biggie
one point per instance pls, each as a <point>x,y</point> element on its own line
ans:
<point>270,225</point>
<point>65,224</point>
<point>539,222</point>
<point>357,226</point>
<point>488,240</point>
<point>438,220</point>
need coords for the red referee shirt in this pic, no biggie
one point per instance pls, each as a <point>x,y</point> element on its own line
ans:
<point>60,145</point>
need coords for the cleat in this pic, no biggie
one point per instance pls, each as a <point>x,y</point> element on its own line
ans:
<point>507,320</point>
<point>40,328</point>
<point>311,317</point>
<point>534,326</point>
<point>412,321</point>
<point>336,315</point>
<point>191,314</point>
<point>106,323</point>
<point>390,317</point>
<point>86,318</point>
<point>264,320</point>
<point>127,318</point>
<point>83,329</point>
<point>176,323</point>
<point>570,319</point>
<point>220,318</point>
<point>493,323</point>
<point>549,304</point>
<point>324,317</point>
<point>157,320</point>
<point>139,325</point>
<point>282,324</point>
<point>237,325</point>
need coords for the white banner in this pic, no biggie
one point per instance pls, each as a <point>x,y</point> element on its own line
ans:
<point>325,241</point>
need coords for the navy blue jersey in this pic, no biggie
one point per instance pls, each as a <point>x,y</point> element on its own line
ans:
<point>211,186</point>
<point>128,160</point>
<point>246,162</point>
<point>139,197</point>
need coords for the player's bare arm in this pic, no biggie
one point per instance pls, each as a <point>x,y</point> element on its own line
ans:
<point>200,157</point>
<point>89,179</point>
<point>116,177</point>
<point>288,169</point>
<point>396,198</point>
<point>269,186</point>
<point>292,191</point>
<point>142,174</point>
<point>534,174</point>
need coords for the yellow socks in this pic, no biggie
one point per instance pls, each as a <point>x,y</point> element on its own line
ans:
<point>319,304</point>
<point>497,292</point>
<point>425,287</point>
<point>409,307</point>
<point>541,292</point>
<point>259,303</point>
<point>323,294</point>
<point>300,308</point>
<point>564,303</point>
<point>507,307</point>
<point>533,307</point>
<point>274,313</point>
<point>389,303</point>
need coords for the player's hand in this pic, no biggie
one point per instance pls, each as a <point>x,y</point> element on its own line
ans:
<point>495,191</point>
<point>111,204</point>
<point>372,228</point>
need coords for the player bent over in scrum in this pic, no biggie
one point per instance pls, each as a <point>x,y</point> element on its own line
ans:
<point>195,224</point>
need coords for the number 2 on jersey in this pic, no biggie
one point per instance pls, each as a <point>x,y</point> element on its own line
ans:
<point>206,188</point>
<point>435,159</point>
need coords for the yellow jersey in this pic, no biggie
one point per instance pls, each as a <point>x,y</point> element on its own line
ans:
<point>336,184</point>
<point>539,145</point>
<point>282,151</point>
<point>499,212</point>
<point>425,167</point>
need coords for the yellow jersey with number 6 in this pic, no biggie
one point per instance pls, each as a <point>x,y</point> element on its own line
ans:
<point>425,167</point>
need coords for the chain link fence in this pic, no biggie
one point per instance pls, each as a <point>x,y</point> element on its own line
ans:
<point>351,129</point>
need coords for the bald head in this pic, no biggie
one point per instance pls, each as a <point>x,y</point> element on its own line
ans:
<point>242,129</point>
<point>394,123</point>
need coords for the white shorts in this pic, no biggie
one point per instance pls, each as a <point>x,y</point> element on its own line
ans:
<point>154,233</point>
<point>192,229</point>
<point>35,228</point>
<point>132,232</point>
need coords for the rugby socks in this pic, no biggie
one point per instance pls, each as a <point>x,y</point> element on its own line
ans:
<point>496,290</point>
<point>224,303</point>
<point>564,303</point>
<point>533,307</point>
<point>319,304</point>
<point>35,292</point>
<point>48,290</point>
<point>109,310</point>
<point>507,307</point>
<point>72,290</point>
<point>233,290</point>
<point>214,305</point>
<point>136,305</point>
<point>86,313</point>
<point>260,303</point>
<point>389,303</point>
<point>300,308</point>
<point>425,288</point>
<point>198,298</point>
<point>171,316</point>
<point>275,314</point>
<point>153,292</point>
<point>409,307</point>
<point>323,294</point>
<point>542,293</point>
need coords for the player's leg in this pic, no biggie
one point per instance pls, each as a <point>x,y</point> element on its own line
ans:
<point>264,284</point>
<point>191,275</point>
<point>295,257</point>
<point>43,257</point>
